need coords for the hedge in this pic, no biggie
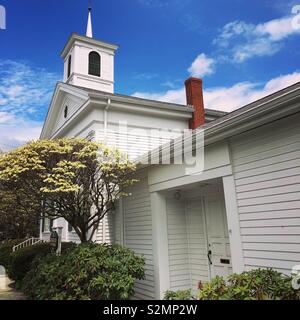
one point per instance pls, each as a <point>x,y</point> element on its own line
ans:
<point>6,250</point>
<point>89,271</point>
<point>20,262</point>
<point>257,284</point>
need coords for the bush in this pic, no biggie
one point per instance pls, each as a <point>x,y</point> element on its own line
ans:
<point>6,250</point>
<point>259,284</point>
<point>178,295</point>
<point>89,271</point>
<point>21,261</point>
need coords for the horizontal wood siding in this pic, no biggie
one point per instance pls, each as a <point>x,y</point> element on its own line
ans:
<point>266,164</point>
<point>138,234</point>
<point>105,232</point>
<point>135,145</point>
<point>180,277</point>
<point>73,237</point>
<point>197,243</point>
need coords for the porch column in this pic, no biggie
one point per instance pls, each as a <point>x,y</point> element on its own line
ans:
<point>160,244</point>
<point>233,225</point>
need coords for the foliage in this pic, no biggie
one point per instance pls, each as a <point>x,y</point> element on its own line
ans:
<point>75,179</point>
<point>6,250</point>
<point>178,295</point>
<point>21,261</point>
<point>17,221</point>
<point>259,284</point>
<point>90,271</point>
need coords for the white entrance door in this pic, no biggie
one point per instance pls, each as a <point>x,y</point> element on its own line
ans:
<point>218,255</point>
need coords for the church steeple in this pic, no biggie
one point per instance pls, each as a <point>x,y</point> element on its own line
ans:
<point>88,62</point>
<point>89,28</point>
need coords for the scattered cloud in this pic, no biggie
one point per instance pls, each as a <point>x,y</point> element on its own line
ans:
<point>202,66</point>
<point>192,22</point>
<point>154,3</point>
<point>172,84</point>
<point>246,40</point>
<point>25,93</point>
<point>174,96</point>
<point>228,98</point>
<point>18,132</point>
<point>145,76</point>
<point>164,3</point>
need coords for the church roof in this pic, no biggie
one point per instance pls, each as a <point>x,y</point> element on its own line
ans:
<point>174,106</point>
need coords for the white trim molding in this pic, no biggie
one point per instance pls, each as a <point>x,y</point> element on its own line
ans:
<point>160,244</point>
<point>234,230</point>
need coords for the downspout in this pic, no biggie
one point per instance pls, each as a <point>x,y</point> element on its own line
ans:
<point>105,117</point>
<point>105,139</point>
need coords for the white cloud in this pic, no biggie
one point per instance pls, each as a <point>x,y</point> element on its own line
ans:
<point>5,117</point>
<point>18,132</point>
<point>247,40</point>
<point>277,29</point>
<point>202,66</point>
<point>24,87</point>
<point>228,98</point>
<point>174,96</point>
<point>25,92</point>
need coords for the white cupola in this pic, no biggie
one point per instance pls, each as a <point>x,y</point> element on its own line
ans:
<point>88,62</point>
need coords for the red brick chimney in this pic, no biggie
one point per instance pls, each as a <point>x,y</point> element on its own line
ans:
<point>194,97</point>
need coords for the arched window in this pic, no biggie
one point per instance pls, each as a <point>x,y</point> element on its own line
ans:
<point>66,112</point>
<point>94,64</point>
<point>69,65</point>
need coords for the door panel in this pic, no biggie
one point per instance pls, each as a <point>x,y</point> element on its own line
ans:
<point>217,235</point>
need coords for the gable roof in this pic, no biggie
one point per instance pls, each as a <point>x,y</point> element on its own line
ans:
<point>161,104</point>
<point>99,98</point>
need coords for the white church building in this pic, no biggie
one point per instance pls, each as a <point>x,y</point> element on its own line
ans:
<point>239,209</point>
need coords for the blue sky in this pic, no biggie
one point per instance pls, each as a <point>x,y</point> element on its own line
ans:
<point>242,49</point>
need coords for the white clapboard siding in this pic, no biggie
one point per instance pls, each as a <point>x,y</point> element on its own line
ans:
<point>180,277</point>
<point>135,145</point>
<point>73,237</point>
<point>138,234</point>
<point>266,165</point>
<point>105,232</point>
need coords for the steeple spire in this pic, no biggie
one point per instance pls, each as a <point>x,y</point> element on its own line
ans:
<point>89,29</point>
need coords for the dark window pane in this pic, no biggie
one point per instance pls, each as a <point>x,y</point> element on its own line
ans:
<point>66,112</point>
<point>69,65</point>
<point>94,64</point>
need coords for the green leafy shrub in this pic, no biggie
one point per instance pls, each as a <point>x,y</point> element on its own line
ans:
<point>89,271</point>
<point>178,295</point>
<point>259,284</point>
<point>21,261</point>
<point>6,250</point>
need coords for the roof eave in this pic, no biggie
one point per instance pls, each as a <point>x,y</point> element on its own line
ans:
<point>75,36</point>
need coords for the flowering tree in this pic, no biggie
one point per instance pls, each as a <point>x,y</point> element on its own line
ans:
<point>74,179</point>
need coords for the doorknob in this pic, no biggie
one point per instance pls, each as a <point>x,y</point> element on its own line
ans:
<point>209,256</point>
